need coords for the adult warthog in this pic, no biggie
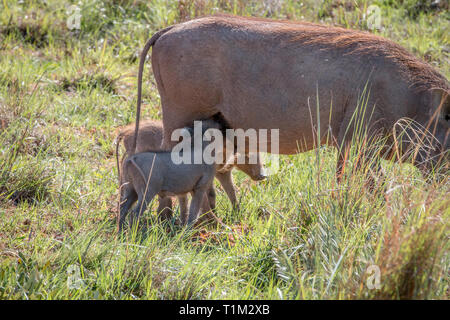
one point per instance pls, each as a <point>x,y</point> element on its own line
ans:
<point>300,78</point>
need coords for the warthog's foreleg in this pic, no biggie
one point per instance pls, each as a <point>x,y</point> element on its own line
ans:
<point>364,162</point>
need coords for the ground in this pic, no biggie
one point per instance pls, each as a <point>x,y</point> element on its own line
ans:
<point>64,94</point>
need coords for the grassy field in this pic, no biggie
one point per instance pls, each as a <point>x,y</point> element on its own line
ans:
<point>64,94</point>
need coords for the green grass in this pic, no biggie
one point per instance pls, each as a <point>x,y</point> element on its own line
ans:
<point>64,95</point>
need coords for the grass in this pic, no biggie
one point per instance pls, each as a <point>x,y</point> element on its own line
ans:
<point>63,96</point>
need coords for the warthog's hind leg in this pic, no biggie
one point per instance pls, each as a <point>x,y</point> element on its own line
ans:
<point>226,180</point>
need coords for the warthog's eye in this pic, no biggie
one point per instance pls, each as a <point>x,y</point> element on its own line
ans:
<point>447,117</point>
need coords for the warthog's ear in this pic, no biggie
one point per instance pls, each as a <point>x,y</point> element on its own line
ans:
<point>440,100</point>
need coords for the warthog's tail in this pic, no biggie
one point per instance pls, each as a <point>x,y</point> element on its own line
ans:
<point>144,52</point>
<point>118,140</point>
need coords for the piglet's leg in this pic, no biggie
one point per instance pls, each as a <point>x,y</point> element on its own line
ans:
<point>211,193</point>
<point>196,203</point>
<point>142,205</point>
<point>127,198</point>
<point>183,202</point>
<point>226,180</point>
<point>165,208</point>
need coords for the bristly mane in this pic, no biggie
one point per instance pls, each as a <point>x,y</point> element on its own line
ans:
<point>420,75</point>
